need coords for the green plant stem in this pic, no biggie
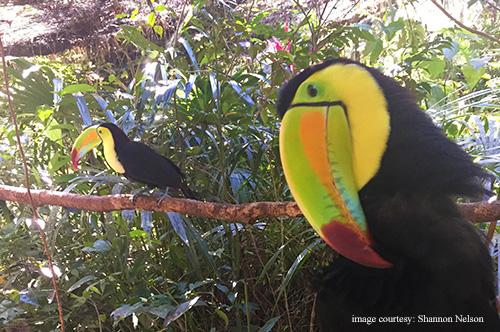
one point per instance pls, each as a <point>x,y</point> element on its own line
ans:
<point>247,306</point>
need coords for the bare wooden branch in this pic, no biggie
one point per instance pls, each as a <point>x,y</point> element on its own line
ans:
<point>481,211</point>
<point>246,213</point>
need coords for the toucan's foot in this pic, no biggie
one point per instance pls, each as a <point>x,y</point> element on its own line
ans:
<point>162,197</point>
<point>140,193</point>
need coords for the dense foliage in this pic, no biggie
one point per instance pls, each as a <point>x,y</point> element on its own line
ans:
<point>205,98</point>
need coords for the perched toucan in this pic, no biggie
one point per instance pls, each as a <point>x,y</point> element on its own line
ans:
<point>378,181</point>
<point>136,161</point>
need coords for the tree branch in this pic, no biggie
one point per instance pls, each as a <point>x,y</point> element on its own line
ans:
<point>245,213</point>
<point>463,26</point>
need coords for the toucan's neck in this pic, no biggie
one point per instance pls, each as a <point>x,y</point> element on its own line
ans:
<point>111,156</point>
<point>120,138</point>
<point>419,157</point>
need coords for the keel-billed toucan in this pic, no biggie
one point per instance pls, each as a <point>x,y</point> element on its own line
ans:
<point>378,181</point>
<point>136,161</point>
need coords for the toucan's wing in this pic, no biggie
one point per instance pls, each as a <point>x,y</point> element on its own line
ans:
<point>143,164</point>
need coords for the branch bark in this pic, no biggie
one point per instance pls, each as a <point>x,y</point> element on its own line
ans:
<point>245,213</point>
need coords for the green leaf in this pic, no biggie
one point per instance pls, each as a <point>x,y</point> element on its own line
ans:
<point>434,68</point>
<point>76,88</point>
<point>138,233</point>
<point>54,132</point>
<point>101,246</point>
<point>362,31</point>
<point>392,28</point>
<point>180,310</point>
<point>44,112</point>
<point>222,315</point>
<point>295,266</point>
<point>160,8</point>
<point>472,76</point>
<point>269,324</point>
<point>159,30</point>
<point>134,36</point>
<point>95,290</point>
<point>80,283</point>
<point>58,161</point>
<point>151,19</point>
<point>126,310</point>
<point>374,48</point>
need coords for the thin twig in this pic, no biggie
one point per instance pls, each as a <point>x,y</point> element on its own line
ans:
<point>492,5</point>
<point>173,41</point>
<point>28,191</point>
<point>491,230</point>
<point>463,26</point>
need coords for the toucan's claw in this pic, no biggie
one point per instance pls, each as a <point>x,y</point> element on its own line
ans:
<point>148,192</point>
<point>141,193</point>
<point>162,197</point>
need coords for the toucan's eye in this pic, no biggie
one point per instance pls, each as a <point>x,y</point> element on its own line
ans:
<point>312,91</point>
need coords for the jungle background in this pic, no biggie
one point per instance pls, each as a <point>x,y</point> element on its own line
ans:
<point>197,81</point>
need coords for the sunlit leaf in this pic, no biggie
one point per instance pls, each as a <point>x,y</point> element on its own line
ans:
<point>471,75</point>
<point>126,310</point>
<point>48,273</point>
<point>101,246</point>
<point>151,19</point>
<point>146,221</point>
<point>269,324</point>
<point>180,310</point>
<point>75,88</point>
<point>159,30</point>
<point>435,67</point>
<point>82,107</point>
<point>178,225</point>
<point>159,8</point>
<point>29,296</point>
<point>53,132</point>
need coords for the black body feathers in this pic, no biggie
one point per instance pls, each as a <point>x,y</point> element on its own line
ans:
<point>442,267</point>
<point>143,164</point>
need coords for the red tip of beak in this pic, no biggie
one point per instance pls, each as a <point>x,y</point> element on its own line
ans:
<point>74,158</point>
<point>350,244</point>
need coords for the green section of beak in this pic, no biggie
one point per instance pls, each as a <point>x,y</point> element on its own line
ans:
<point>316,151</point>
<point>87,140</point>
<point>339,146</point>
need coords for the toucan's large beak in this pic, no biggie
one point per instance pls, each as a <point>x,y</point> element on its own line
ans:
<point>87,140</point>
<point>316,152</point>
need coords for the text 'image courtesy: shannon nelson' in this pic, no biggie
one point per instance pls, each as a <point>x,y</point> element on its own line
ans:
<point>408,320</point>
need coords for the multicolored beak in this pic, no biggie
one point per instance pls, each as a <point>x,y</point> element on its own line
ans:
<point>316,152</point>
<point>87,140</point>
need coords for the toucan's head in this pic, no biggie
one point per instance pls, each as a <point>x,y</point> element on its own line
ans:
<point>348,131</point>
<point>92,136</point>
<point>334,132</point>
